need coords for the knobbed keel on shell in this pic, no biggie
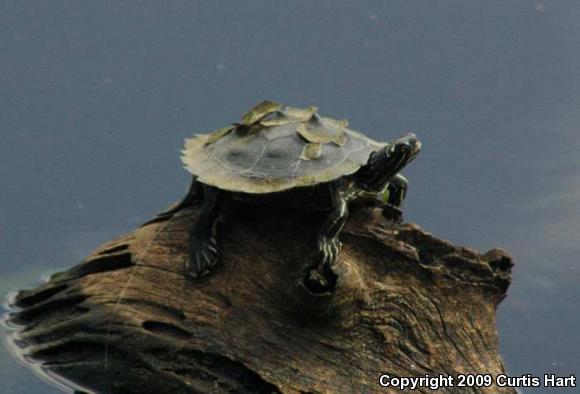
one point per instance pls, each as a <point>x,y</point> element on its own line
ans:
<point>128,320</point>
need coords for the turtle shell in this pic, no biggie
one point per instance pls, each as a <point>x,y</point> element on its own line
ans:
<point>275,149</point>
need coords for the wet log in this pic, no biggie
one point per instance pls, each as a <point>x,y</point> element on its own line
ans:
<point>400,302</point>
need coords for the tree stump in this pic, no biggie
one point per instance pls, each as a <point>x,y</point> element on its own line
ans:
<point>403,303</point>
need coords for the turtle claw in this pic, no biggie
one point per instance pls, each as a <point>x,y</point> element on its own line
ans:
<point>203,256</point>
<point>329,249</point>
<point>319,279</point>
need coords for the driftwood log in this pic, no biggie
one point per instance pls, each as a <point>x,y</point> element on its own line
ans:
<point>402,302</point>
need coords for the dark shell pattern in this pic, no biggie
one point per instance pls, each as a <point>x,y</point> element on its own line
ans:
<point>275,149</point>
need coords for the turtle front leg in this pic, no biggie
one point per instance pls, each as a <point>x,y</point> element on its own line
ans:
<point>202,244</point>
<point>328,243</point>
<point>397,188</point>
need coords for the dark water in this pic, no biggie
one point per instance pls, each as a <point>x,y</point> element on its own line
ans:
<point>96,98</point>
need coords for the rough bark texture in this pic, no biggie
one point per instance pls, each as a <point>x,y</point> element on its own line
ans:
<point>127,319</point>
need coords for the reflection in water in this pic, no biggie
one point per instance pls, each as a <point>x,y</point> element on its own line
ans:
<point>10,330</point>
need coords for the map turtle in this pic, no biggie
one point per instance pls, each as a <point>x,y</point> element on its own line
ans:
<point>293,156</point>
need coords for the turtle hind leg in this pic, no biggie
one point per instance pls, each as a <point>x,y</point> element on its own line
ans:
<point>193,194</point>
<point>321,279</point>
<point>202,244</point>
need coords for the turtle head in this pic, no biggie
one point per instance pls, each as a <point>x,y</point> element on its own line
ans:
<point>405,149</point>
<point>385,163</point>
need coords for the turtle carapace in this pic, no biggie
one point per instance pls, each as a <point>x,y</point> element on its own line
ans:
<point>276,149</point>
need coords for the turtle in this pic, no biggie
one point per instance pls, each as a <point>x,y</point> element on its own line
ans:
<point>286,155</point>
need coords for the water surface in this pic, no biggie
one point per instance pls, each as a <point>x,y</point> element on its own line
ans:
<point>97,97</point>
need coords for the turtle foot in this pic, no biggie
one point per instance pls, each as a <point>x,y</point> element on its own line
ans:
<point>393,213</point>
<point>328,249</point>
<point>203,257</point>
<point>319,281</point>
